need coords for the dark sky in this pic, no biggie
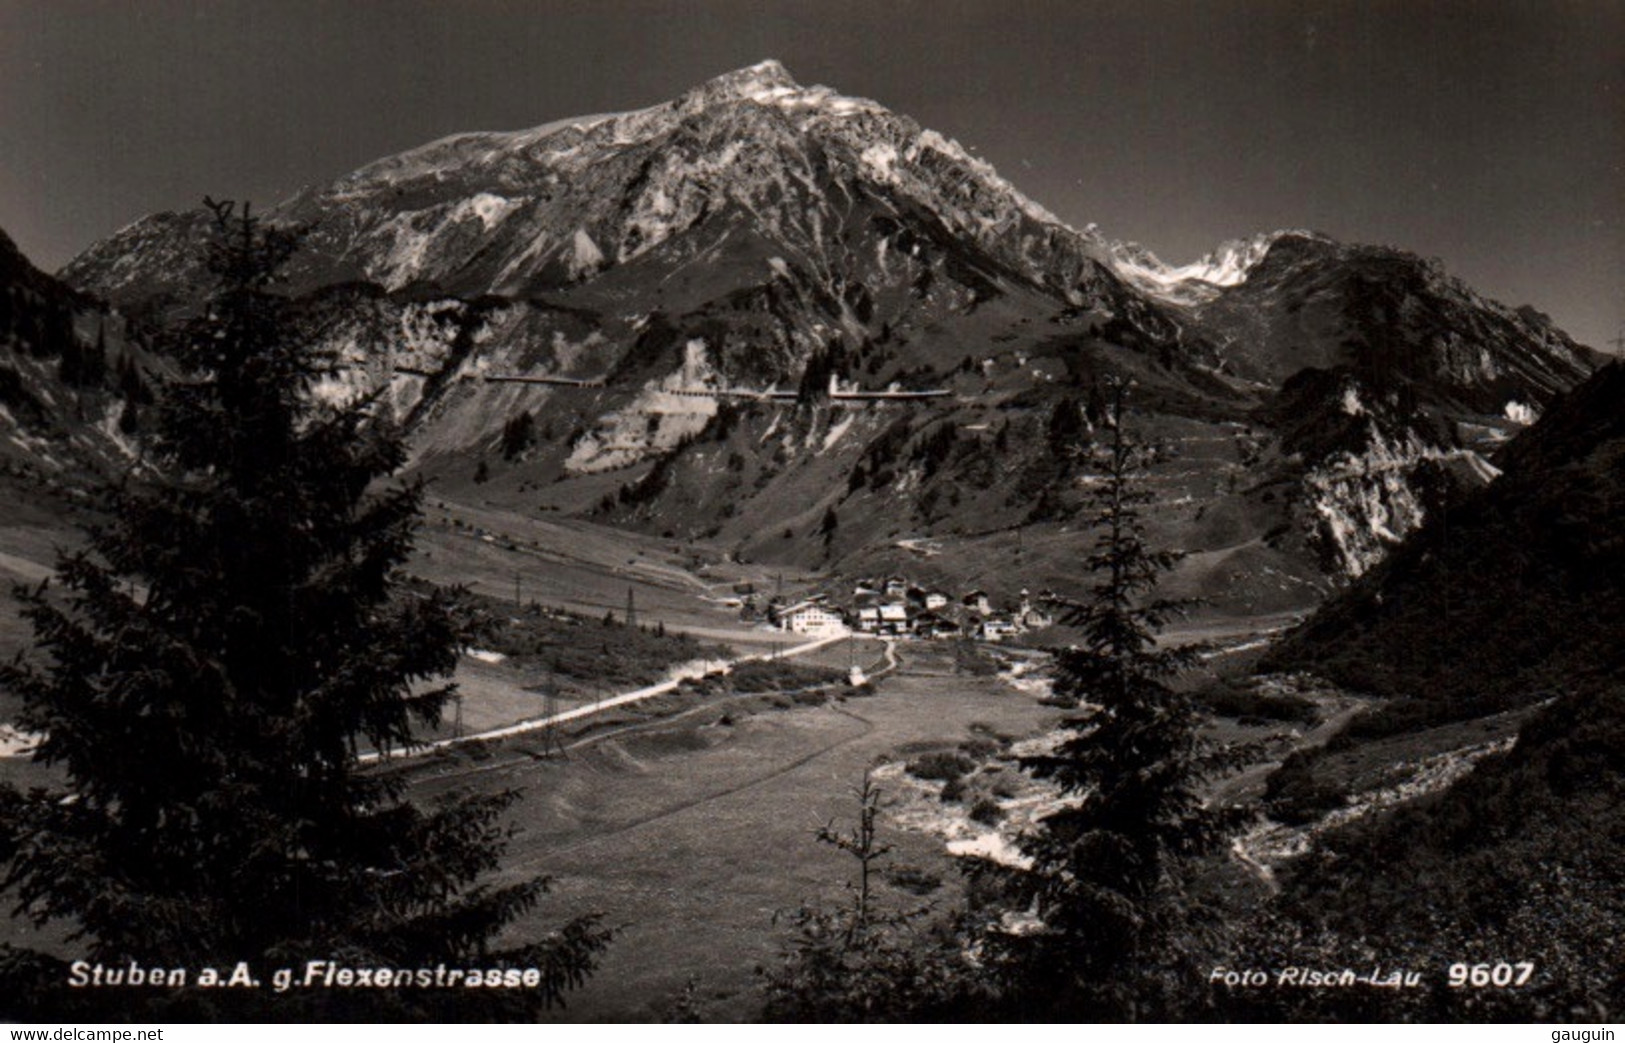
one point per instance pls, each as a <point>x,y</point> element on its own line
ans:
<point>1490,134</point>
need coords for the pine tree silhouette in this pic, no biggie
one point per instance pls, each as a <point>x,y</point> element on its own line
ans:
<point>205,676</point>
<point>1106,873</point>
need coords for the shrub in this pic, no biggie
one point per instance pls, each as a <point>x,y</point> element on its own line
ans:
<point>772,675</point>
<point>979,748</point>
<point>913,879</point>
<point>1227,699</point>
<point>942,766</point>
<point>1295,796</point>
<point>986,811</point>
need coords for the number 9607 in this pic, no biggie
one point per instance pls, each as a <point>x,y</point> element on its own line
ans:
<point>1490,975</point>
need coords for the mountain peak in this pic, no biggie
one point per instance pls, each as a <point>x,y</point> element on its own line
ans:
<point>760,81</point>
<point>768,84</point>
<point>1193,283</point>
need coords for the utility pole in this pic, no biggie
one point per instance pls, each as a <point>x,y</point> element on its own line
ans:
<point>516,602</point>
<point>1619,342</point>
<point>631,609</point>
<point>552,735</point>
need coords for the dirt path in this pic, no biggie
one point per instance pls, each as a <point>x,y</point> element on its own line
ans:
<point>536,724</point>
<point>23,569</point>
<point>1248,784</point>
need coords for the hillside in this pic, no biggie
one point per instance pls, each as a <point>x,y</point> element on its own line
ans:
<point>73,382</point>
<point>1503,608</point>
<point>1502,599</point>
<point>1516,864</point>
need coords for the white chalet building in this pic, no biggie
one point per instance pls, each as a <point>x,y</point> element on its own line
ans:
<point>809,617</point>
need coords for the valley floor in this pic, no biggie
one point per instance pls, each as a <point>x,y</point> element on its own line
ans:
<point>692,833</point>
<point>688,821</point>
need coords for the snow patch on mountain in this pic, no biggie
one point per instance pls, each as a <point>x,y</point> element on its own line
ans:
<point>108,425</point>
<point>769,83</point>
<point>14,742</point>
<point>1482,469</point>
<point>1201,280</point>
<point>521,264</point>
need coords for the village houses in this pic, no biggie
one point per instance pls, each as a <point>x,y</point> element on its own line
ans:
<point>896,607</point>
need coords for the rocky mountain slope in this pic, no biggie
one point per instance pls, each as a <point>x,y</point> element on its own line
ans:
<point>71,383</point>
<point>1505,599</point>
<point>755,235</point>
<point>1503,607</point>
<point>750,154</point>
<point>1515,862</point>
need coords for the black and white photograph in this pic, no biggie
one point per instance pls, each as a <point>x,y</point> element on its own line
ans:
<point>812,511</point>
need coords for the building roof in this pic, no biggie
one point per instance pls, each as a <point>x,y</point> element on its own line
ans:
<point>802,606</point>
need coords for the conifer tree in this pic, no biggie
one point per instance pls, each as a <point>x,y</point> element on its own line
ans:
<point>1107,870</point>
<point>864,960</point>
<point>518,435</point>
<point>207,674</point>
<point>829,524</point>
<point>81,365</point>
